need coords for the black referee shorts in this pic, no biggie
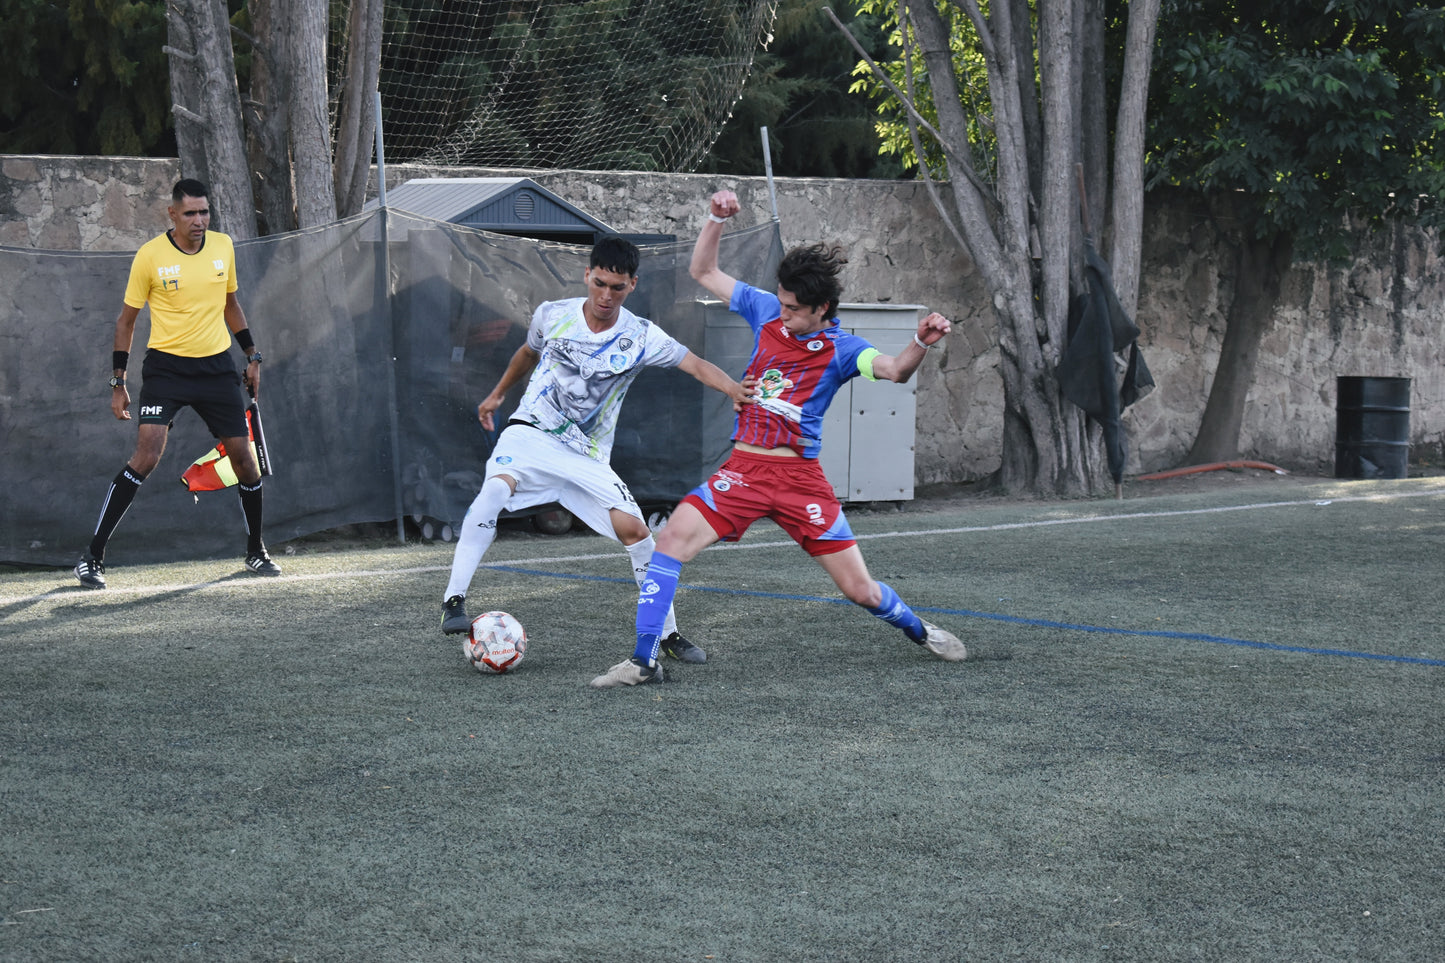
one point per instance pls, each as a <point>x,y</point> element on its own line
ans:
<point>210,385</point>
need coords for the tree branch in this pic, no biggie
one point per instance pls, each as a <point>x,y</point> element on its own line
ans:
<point>905,100</point>
<point>191,116</point>
<point>918,152</point>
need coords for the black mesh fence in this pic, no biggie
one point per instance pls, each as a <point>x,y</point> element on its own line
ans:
<point>381,334</point>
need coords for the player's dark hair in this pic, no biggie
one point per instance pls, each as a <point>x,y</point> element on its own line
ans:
<point>810,274</point>
<point>188,187</point>
<point>616,253</point>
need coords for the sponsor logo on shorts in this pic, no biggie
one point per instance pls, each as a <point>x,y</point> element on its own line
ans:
<point>150,410</point>
<point>721,484</point>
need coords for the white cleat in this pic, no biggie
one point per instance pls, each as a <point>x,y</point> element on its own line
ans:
<point>950,648</point>
<point>630,672</point>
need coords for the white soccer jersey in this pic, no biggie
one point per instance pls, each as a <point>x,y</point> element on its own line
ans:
<point>576,391</point>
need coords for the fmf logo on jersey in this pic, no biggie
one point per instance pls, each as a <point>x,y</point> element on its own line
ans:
<point>815,346</point>
<point>169,271</point>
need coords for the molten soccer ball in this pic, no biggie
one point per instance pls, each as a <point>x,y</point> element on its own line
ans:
<point>496,643</point>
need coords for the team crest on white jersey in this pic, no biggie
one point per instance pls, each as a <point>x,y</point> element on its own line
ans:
<point>503,459</point>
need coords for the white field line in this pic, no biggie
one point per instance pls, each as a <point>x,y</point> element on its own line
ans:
<point>231,581</point>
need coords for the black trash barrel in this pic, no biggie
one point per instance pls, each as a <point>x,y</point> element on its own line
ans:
<point>1372,427</point>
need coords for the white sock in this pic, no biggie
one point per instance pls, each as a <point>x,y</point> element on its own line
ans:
<point>641,554</point>
<point>478,530</point>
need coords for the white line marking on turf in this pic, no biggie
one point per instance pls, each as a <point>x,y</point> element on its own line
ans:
<point>252,583</point>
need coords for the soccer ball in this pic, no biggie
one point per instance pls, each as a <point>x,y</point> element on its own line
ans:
<point>495,643</point>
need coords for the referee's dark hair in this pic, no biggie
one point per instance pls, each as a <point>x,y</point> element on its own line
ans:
<point>616,253</point>
<point>188,187</point>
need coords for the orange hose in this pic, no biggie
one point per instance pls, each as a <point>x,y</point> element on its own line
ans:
<point>1214,466</point>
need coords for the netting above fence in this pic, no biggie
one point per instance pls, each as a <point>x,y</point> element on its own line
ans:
<point>376,358</point>
<point>588,84</point>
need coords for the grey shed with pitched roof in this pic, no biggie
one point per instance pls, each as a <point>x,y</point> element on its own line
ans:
<point>502,205</point>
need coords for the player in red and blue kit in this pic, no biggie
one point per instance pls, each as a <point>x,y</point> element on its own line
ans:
<point>801,357</point>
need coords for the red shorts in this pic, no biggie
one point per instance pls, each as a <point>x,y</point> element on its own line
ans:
<point>791,491</point>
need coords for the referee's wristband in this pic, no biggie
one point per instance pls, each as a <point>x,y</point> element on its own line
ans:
<point>715,219</point>
<point>919,341</point>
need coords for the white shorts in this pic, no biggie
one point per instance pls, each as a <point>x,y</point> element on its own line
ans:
<point>548,471</point>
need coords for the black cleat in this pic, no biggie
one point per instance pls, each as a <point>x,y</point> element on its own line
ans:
<point>261,564</point>
<point>90,571</point>
<point>676,647</point>
<point>454,616</point>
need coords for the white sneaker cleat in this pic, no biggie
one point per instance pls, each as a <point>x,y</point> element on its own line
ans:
<point>950,648</point>
<point>630,672</point>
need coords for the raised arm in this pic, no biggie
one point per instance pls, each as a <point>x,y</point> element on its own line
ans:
<point>524,359</point>
<point>900,368</point>
<point>704,269</point>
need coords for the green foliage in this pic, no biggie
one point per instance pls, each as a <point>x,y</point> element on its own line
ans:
<point>968,69</point>
<point>1310,111</point>
<point>800,90</point>
<point>84,77</point>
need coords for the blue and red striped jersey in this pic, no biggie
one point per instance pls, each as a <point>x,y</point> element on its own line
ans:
<point>797,377</point>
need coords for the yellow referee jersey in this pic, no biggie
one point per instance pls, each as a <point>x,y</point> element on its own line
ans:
<point>186,292</point>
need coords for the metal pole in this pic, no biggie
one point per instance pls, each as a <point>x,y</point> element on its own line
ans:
<point>768,166</point>
<point>383,297</point>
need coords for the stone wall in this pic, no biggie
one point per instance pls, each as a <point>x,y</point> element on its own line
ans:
<point>1383,314</point>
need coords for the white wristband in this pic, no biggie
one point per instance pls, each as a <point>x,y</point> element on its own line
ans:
<point>919,341</point>
<point>715,219</point>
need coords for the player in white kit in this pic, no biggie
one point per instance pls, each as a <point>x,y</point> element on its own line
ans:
<point>581,354</point>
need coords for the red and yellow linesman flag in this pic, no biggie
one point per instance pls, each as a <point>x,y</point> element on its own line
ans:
<point>213,471</point>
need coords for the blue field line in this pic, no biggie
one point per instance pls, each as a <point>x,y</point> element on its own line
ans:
<point>1013,619</point>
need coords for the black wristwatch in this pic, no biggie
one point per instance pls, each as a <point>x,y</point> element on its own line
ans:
<point>117,382</point>
<point>254,357</point>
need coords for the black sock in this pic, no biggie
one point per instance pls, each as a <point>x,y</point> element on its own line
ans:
<point>251,508</point>
<point>117,500</point>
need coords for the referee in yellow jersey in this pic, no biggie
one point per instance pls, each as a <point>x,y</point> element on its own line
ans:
<point>188,276</point>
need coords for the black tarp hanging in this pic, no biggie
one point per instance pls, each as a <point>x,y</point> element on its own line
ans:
<point>1099,328</point>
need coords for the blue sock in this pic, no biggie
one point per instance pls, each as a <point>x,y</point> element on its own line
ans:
<point>653,601</point>
<point>895,611</point>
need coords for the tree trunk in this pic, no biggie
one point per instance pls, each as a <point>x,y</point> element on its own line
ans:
<point>1094,117</point>
<point>1022,230</point>
<point>357,128</point>
<point>186,79</point>
<point>1127,218</point>
<point>1260,268</point>
<point>310,123</point>
<point>268,113</point>
<point>217,113</point>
